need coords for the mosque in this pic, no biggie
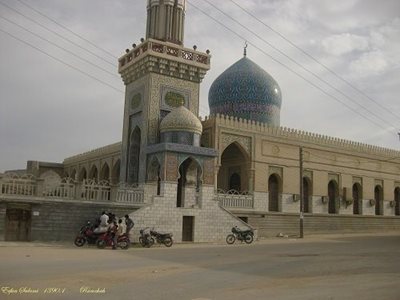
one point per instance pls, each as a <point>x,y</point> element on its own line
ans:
<point>199,178</point>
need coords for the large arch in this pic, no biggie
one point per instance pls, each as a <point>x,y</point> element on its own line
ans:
<point>105,172</point>
<point>190,173</point>
<point>234,169</point>
<point>397,201</point>
<point>378,192</point>
<point>333,195</point>
<point>274,192</point>
<point>307,194</point>
<point>134,156</point>
<point>357,199</point>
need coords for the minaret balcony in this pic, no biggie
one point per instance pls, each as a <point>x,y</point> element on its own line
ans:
<point>164,50</point>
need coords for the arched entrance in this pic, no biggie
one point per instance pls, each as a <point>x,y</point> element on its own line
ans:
<point>274,190</point>
<point>357,199</point>
<point>134,156</point>
<point>234,169</point>
<point>307,193</point>
<point>154,173</point>
<point>378,200</point>
<point>188,183</point>
<point>397,201</point>
<point>333,193</point>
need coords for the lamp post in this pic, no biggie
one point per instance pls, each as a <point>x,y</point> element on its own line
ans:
<point>301,194</point>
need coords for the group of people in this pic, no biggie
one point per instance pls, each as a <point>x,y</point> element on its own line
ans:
<point>108,223</point>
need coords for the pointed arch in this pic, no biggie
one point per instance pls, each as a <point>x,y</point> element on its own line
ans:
<point>105,172</point>
<point>154,173</point>
<point>134,155</point>
<point>333,195</point>
<point>235,165</point>
<point>93,173</point>
<point>190,174</point>
<point>274,192</point>
<point>73,174</point>
<point>115,173</point>
<point>357,199</point>
<point>82,174</point>
<point>378,192</point>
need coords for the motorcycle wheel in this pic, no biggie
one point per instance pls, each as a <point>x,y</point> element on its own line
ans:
<point>79,241</point>
<point>168,242</point>
<point>124,245</point>
<point>230,239</point>
<point>101,244</point>
<point>248,238</point>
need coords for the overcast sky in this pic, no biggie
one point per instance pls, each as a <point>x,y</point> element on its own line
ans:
<point>50,111</point>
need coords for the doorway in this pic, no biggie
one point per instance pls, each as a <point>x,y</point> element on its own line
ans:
<point>187,229</point>
<point>18,224</point>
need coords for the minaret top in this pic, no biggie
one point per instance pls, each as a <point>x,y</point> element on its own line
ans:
<point>245,49</point>
<point>166,20</point>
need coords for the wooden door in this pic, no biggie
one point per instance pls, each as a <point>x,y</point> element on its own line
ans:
<point>187,229</point>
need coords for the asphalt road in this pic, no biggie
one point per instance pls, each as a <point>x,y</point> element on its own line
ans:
<point>350,267</point>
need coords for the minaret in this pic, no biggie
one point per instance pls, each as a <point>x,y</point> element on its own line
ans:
<point>159,75</point>
<point>165,20</point>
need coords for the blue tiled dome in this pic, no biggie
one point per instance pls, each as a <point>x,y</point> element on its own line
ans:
<point>246,91</point>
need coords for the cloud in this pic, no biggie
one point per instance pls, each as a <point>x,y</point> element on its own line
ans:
<point>344,43</point>
<point>370,63</point>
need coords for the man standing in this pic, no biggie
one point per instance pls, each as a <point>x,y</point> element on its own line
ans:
<point>129,224</point>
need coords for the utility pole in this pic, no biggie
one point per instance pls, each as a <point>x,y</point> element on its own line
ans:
<point>301,194</point>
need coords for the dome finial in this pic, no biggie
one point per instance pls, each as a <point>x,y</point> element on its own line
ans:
<point>245,49</point>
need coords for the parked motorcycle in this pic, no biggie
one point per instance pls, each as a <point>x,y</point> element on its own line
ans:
<point>86,235</point>
<point>106,240</point>
<point>145,238</point>
<point>241,235</point>
<point>162,238</point>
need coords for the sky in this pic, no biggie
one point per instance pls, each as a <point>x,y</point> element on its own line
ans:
<point>59,99</point>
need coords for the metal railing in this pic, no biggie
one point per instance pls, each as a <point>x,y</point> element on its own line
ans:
<point>235,199</point>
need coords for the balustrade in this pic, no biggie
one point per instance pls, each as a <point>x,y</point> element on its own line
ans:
<point>235,199</point>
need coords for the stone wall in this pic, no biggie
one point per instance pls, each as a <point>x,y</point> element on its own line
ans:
<point>61,220</point>
<point>271,224</point>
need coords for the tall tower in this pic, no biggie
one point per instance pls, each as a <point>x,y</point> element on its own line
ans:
<point>159,75</point>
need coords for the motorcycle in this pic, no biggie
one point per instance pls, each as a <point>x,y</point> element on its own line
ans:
<point>145,238</point>
<point>162,238</point>
<point>241,235</point>
<point>106,240</point>
<point>86,235</point>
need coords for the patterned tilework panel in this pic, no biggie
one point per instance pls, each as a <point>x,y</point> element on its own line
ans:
<point>246,91</point>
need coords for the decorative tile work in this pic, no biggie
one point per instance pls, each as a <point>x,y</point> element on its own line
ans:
<point>208,171</point>
<point>172,167</point>
<point>244,141</point>
<point>246,91</point>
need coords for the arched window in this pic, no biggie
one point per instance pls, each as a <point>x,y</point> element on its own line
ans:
<point>333,193</point>
<point>273,192</point>
<point>134,156</point>
<point>82,175</point>
<point>378,200</point>
<point>234,182</point>
<point>307,193</point>
<point>397,201</point>
<point>357,199</point>
<point>93,174</point>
